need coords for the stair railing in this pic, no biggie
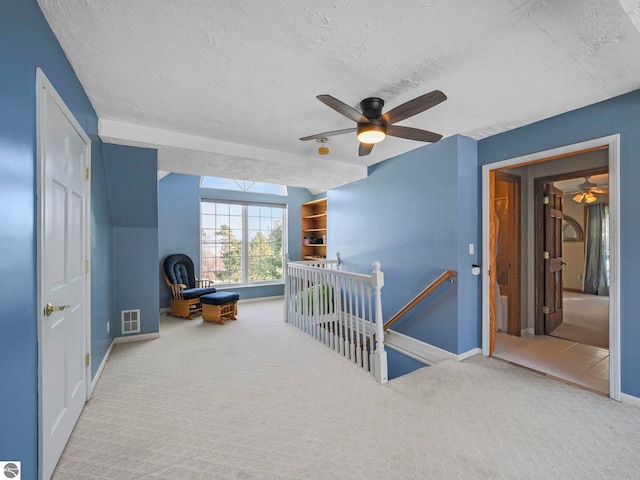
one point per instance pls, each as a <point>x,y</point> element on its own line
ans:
<point>342,310</point>
<point>446,275</point>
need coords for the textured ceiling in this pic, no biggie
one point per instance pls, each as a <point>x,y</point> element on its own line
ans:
<point>227,87</point>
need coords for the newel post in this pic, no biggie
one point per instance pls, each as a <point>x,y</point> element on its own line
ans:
<point>286,287</point>
<point>380,355</point>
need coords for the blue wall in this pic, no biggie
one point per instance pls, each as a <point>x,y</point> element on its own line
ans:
<point>133,186</point>
<point>469,232</point>
<point>179,224</point>
<point>26,42</point>
<point>618,115</point>
<point>417,214</point>
<point>102,254</point>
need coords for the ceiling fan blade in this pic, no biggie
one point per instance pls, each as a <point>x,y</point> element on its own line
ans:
<point>329,134</point>
<point>413,134</point>
<point>600,190</point>
<point>365,149</point>
<point>413,107</point>
<point>342,108</point>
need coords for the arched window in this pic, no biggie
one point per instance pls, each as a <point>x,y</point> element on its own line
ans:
<point>242,185</point>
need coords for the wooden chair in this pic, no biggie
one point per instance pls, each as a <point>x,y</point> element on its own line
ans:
<point>185,288</point>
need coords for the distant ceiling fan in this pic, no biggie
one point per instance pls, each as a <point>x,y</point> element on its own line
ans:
<point>586,192</point>
<point>374,126</point>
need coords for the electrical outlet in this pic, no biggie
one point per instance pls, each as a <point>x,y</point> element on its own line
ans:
<point>579,278</point>
<point>108,326</point>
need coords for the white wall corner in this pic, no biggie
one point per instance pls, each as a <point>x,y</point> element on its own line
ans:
<point>468,354</point>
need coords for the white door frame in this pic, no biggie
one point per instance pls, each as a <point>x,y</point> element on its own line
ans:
<point>612,142</point>
<point>44,88</point>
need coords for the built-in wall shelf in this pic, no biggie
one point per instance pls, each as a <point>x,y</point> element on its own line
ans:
<point>314,229</point>
<point>320,215</point>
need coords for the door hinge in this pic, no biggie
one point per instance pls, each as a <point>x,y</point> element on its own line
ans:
<point>87,360</point>
<point>87,266</point>
<point>545,310</point>
<point>87,173</point>
<point>545,255</point>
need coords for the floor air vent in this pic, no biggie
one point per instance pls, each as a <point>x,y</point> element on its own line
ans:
<point>130,321</point>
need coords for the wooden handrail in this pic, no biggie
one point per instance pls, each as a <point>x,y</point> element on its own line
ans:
<point>447,274</point>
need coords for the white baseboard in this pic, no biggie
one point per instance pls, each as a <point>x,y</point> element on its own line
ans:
<point>260,299</point>
<point>468,354</point>
<point>95,379</point>
<point>137,338</point>
<point>421,351</point>
<point>630,399</point>
<point>527,331</point>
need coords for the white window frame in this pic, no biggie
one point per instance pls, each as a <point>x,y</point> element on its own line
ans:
<point>245,238</point>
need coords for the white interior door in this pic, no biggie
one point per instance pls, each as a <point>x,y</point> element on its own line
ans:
<point>64,151</point>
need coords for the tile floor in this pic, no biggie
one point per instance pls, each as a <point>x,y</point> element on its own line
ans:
<point>572,362</point>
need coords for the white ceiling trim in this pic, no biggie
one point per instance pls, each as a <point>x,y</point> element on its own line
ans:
<point>207,156</point>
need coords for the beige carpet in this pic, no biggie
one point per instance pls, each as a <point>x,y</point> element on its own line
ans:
<point>585,319</point>
<point>258,399</point>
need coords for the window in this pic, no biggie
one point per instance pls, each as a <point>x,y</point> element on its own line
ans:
<point>242,185</point>
<point>242,243</point>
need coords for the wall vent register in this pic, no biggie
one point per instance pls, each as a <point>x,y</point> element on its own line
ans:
<point>130,321</point>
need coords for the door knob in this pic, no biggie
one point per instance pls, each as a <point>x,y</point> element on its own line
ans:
<point>49,309</point>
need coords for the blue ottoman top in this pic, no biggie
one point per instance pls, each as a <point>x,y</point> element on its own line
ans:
<point>219,298</point>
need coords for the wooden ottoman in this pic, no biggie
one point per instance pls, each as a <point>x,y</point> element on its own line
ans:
<point>219,306</point>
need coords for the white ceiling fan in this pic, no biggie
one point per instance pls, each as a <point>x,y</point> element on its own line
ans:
<point>587,190</point>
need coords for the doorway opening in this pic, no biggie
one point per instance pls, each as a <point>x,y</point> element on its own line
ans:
<point>560,327</point>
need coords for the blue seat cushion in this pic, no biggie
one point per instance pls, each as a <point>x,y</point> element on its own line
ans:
<point>190,293</point>
<point>219,298</point>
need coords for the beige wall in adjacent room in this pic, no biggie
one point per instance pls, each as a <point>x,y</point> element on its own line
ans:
<point>573,252</point>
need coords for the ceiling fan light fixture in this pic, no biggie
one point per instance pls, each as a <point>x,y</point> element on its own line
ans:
<point>323,150</point>
<point>370,133</point>
<point>589,198</point>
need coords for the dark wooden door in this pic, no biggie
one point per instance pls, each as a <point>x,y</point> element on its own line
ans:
<point>553,261</point>
<point>507,246</point>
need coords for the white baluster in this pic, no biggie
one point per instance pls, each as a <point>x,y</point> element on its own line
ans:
<point>358,294</point>
<point>347,333</point>
<point>369,332</point>
<point>338,310</point>
<point>377,278</point>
